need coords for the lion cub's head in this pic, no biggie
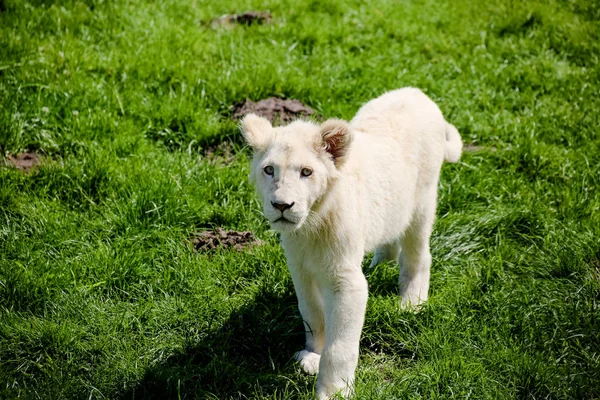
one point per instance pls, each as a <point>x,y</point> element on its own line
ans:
<point>293,166</point>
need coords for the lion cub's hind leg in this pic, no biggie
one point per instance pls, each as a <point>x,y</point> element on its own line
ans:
<point>415,259</point>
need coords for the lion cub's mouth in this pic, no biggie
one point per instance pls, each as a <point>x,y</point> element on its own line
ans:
<point>284,220</point>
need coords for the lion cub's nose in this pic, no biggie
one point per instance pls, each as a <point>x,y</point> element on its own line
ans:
<point>282,206</point>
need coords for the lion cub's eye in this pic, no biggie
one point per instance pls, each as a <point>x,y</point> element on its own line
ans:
<point>269,170</point>
<point>306,172</point>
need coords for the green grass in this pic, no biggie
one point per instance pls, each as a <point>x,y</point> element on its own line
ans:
<point>101,295</point>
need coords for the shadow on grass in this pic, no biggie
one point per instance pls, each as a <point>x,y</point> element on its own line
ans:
<point>251,352</point>
<point>383,278</point>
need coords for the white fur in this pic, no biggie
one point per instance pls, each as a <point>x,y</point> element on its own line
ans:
<point>373,187</point>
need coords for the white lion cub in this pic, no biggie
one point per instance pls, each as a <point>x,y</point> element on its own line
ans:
<point>338,190</point>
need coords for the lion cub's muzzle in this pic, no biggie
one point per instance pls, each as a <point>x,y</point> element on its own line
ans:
<point>283,215</point>
<point>283,207</point>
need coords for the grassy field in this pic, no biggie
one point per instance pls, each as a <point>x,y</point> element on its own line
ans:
<point>101,293</point>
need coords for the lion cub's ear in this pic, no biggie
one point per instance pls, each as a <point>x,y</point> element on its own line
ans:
<point>337,137</point>
<point>256,131</point>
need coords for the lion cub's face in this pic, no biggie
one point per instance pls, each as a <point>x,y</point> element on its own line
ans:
<point>293,166</point>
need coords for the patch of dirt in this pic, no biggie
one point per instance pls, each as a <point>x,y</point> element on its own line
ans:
<point>248,18</point>
<point>25,161</point>
<point>274,109</point>
<point>210,240</point>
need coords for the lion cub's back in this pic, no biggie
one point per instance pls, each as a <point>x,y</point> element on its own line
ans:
<point>400,112</point>
<point>410,118</point>
<point>401,150</point>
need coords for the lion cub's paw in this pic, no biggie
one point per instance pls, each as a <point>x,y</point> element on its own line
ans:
<point>309,361</point>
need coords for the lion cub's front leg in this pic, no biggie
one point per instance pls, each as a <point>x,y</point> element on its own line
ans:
<point>345,303</point>
<point>310,302</point>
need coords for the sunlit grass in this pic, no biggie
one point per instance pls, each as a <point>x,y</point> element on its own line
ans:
<point>101,294</point>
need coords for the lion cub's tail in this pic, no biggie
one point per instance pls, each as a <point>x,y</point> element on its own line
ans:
<point>453,147</point>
